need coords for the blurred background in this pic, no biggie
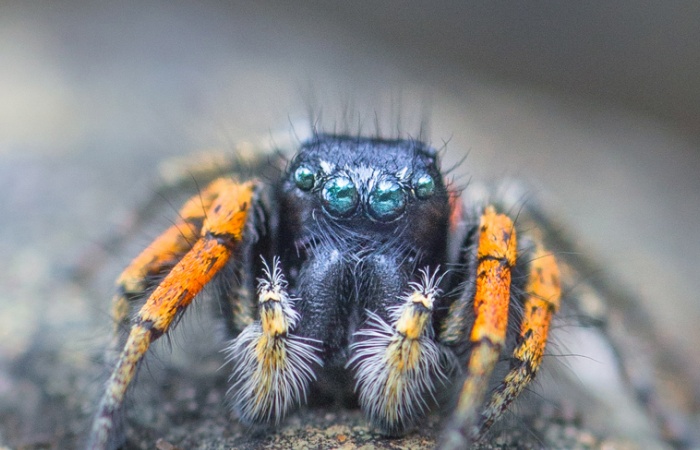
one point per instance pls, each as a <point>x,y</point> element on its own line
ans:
<point>594,105</point>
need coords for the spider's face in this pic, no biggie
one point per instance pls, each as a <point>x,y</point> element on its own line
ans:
<point>378,189</point>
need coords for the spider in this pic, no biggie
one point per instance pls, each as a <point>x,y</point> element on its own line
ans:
<point>360,268</point>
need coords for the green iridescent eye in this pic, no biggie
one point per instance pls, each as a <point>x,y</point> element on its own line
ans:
<point>387,201</point>
<point>304,178</point>
<point>340,196</point>
<point>424,186</point>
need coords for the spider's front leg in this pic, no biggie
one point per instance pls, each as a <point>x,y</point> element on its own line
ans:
<point>225,213</point>
<point>160,256</point>
<point>543,294</point>
<point>497,256</point>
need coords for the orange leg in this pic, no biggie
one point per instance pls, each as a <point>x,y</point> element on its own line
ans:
<point>222,230</point>
<point>497,252</point>
<point>542,302</point>
<point>161,255</point>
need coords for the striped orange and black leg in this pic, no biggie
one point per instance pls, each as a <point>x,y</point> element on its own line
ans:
<point>160,256</point>
<point>542,301</point>
<point>496,253</point>
<point>221,232</point>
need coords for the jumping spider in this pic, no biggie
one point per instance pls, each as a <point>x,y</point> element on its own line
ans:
<point>361,259</point>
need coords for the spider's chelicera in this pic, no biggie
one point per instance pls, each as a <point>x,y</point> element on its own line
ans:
<point>360,272</point>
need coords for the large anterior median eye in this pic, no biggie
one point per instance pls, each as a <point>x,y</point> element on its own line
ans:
<point>304,178</point>
<point>340,196</point>
<point>387,201</point>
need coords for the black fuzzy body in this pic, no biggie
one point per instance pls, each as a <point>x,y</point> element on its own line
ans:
<point>340,268</point>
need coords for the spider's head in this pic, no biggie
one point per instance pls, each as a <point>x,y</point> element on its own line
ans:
<point>369,186</point>
<point>378,180</point>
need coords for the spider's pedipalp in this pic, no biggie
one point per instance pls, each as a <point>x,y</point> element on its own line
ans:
<point>272,367</point>
<point>542,301</point>
<point>397,366</point>
<point>221,232</point>
<point>496,256</point>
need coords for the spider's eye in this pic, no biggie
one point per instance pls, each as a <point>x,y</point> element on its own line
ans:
<point>304,178</point>
<point>424,186</point>
<point>387,200</point>
<point>340,196</point>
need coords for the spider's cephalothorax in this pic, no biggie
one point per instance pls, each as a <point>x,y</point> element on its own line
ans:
<point>361,217</point>
<point>339,272</point>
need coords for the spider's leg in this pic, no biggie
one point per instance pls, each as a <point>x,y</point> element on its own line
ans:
<point>160,256</point>
<point>176,175</point>
<point>221,233</point>
<point>397,365</point>
<point>543,295</point>
<point>496,255</point>
<point>653,369</point>
<point>272,366</point>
